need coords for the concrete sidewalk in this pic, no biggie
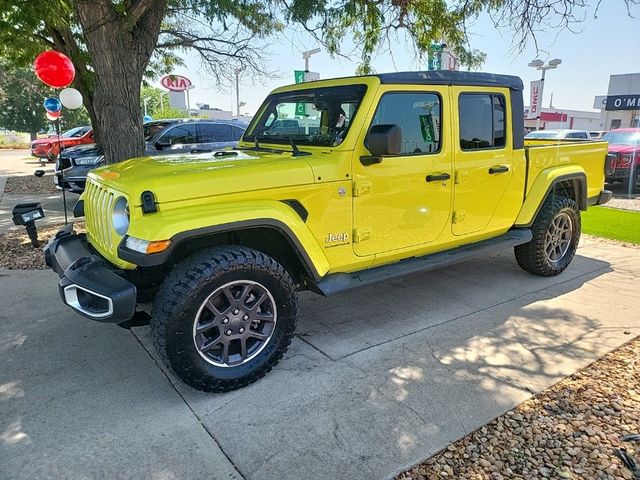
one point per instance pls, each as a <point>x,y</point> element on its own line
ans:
<point>375,381</point>
<point>82,400</point>
<point>20,163</point>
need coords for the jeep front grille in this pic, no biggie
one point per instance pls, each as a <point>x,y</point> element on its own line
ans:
<point>98,207</point>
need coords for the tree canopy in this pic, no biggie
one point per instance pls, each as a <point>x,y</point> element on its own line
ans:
<point>115,44</point>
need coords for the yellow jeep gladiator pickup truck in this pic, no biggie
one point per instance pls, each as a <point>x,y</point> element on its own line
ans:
<point>335,184</point>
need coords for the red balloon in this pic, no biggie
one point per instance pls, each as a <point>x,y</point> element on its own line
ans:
<point>54,69</point>
<point>53,115</point>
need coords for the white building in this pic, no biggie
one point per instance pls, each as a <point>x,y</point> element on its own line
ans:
<point>555,118</point>
<point>620,108</point>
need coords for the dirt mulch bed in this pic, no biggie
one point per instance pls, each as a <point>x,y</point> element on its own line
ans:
<point>610,241</point>
<point>624,203</point>
<point>30,184</point>
<point>16,252</point>
<point>567,431</point>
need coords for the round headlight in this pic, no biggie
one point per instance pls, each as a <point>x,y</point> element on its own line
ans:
<point>120,216</point>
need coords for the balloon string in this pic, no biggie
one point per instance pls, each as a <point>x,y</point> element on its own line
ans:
<point>64,197</point>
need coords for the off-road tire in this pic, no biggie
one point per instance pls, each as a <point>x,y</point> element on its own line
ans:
<point>632,185</point>
<point>532,256</point>
<point>180,297</point>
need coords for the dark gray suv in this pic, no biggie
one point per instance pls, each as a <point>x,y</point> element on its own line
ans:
<point>162,137</point>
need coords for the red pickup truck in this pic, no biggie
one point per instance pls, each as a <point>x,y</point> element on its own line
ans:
<point>624,143</point>
<point>50,147</point>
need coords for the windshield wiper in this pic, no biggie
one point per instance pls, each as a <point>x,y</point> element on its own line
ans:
<point>296,150</point>
<point>258,148</point>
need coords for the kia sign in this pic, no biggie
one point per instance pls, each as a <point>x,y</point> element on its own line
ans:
<point>176,83</point>
<point>534,102</point>
<point>622,102</point>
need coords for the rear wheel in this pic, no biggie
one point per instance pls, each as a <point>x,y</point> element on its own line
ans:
<point>224,317</point>
<point>556,232</point>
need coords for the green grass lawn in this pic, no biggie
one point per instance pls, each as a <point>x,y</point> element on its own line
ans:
<point>612,223</point>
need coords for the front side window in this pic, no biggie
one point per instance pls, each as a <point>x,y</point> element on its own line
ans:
<point>482,121</point>
<point>181,134</point>
<point>417,114</point>
<point>211,133</point>
<point>314,117</point>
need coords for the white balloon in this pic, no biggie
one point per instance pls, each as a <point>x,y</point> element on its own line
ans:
<point>71,98</point>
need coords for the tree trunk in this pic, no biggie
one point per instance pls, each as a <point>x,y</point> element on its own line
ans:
<point>120,46</point>
<point>34,136</point>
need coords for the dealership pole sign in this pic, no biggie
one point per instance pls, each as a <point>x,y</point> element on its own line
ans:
<point>622,102</point>
<point>176,83</point>
<point>534,101</point>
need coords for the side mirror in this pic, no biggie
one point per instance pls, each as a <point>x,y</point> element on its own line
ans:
<point>163,143</point>
<point>383,140</point>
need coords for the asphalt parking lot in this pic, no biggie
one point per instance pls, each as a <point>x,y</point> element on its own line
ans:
<point>375,381</point>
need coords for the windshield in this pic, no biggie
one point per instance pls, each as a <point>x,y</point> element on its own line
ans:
<point>542,134</point>
<point>622,138</point>
<point>315,117</point>
<point>151,129</point>
<point>75,132</point>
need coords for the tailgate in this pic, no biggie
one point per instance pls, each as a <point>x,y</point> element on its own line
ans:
<point>589,156</point>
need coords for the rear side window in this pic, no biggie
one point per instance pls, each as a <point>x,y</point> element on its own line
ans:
<point>482,121</point>
<point>181,134</point>
<point>211,133</point>
<point>418,116</point>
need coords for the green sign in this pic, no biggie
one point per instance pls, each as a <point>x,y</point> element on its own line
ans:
<point>426,127</point>
<point>301,111</point>
<point>435,56</point>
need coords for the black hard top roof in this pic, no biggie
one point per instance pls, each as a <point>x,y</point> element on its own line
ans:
<point>446,77</point>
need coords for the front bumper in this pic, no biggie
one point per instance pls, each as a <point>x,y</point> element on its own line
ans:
<point>87,283</point>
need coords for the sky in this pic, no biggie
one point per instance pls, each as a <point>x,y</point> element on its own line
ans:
<point>598,48</point>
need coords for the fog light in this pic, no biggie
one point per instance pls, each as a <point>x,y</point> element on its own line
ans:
<point>26,214</point>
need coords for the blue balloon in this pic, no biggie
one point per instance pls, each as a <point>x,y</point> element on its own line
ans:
<point>146,118</point>
<point>52,104</point>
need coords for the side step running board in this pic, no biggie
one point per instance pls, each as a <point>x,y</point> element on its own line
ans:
<point>340,282</point>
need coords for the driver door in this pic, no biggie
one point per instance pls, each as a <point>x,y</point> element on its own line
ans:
<point>405,200</point>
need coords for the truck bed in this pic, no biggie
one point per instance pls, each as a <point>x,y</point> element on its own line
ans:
<point>586,156</point>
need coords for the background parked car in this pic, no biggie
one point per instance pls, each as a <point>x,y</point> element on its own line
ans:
<point>49,147</point>
<point>163,137</point>
<point>624,143</point>
<point>596,134</point>
<point>562,134</point>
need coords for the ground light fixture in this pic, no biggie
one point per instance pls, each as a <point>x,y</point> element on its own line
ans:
<point>26,214</point>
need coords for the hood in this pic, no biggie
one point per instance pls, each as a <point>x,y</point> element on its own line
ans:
<point>623,148</point>
<point>89,149</point>
<point>44,141</point>
<point>179,177</point>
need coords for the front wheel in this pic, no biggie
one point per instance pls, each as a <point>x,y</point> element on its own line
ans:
<point>556,232</point>
<point>224,317</point>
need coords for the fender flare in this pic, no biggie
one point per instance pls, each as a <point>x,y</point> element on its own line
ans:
<point>281,218</point>
<point>538,194</point>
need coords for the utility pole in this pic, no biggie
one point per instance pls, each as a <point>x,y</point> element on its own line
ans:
<point>539,65</point>
<point>237,71</point>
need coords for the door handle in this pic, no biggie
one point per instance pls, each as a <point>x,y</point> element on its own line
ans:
<point>498,169</point>
<point>438,177</point>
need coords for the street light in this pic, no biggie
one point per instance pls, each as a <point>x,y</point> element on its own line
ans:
<point>237,71</point>
<point>306,55</point>
<point>539,65</point>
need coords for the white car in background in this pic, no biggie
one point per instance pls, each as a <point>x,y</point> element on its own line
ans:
<point>562,134</point>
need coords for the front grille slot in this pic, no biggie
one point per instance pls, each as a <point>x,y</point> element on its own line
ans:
<point>98,208</point>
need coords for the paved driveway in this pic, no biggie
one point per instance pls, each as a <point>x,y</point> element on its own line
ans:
<point>376,380</point>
